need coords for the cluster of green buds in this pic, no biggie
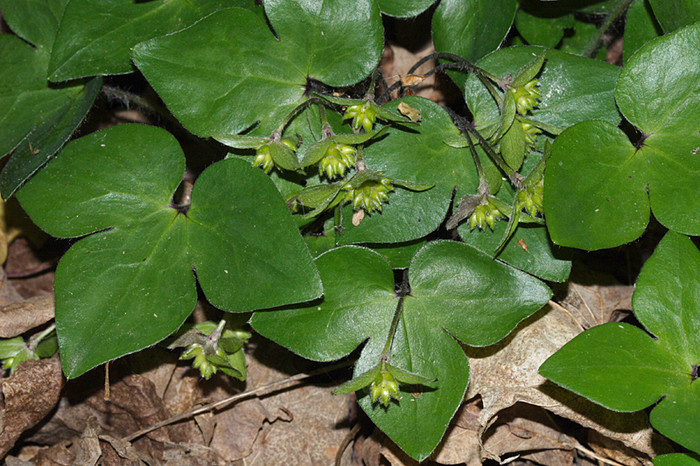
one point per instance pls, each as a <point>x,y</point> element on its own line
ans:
<point>526,97</point>
<point>530,132</point>
<point>384,387</point>
<point>531,199</point>
<point>362,115</point>
<point>263,155</point>
<point>200,353</point>
<point>214,348</point>
<point>338,158</point>
<point>383,381</point>
<point>485,213</point>
<point>370,195</point>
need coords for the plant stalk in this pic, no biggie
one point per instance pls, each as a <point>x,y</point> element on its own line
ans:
<point>594,43</point>
<point>403,292</point>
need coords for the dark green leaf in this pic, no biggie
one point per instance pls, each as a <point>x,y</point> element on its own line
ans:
<point>623,368</point>
<point>96,36</point>
<point>616,365</point>
<point>404,8</point>
<point>47,139</point>
<point>456,292</point>
<point>199,73</point>
<point>529,248</point>
<point>677,459</point>
<point>594,198</point>
<point>35,21</point>
<point>674,14</point>
<point>543,24</point>
<point>33,113</point>
<point>419,156</point>
<point>640,27</point>
<point>599,185</point>
<point>472,28</point>
<point>131,284</point>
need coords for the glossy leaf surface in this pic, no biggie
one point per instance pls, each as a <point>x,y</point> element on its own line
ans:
<point>472,28</point>
<point>96,36</point>
<point>36,118</point>
<point>131,284</point>
<point>622,368</point>
<point>674,14</point>
<point>573,88</point>
<point>456,293</point>
<point>213,74</point>
<point>640,27</point>
<point>404,8</point>
<point>597,180</point>
<point>418,155</point>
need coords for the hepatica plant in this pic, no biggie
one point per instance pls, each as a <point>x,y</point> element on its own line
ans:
<point>340,212</point>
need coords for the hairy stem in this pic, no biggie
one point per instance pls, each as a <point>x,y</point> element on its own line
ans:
<point>594,43</point>
<point>403,292</point>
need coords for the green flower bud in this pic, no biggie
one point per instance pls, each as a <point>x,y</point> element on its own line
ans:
<point>362,115</point>
<point>384,388</point>
<point>531,199</point>
<point>484,214</point>
<point>263,157</point>
<point>526,97</point>
<point>530,132</point>
<point>338,158</point>
<point>196,351</point>
<point>370,195</point>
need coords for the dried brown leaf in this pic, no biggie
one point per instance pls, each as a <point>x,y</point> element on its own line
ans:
<point>412,79</point>
<point>8,293</point>
<point>506,373</point>
<point>317,421</point>
<point>24,315</point>
<point>29,395</point>
<point>87,448</point>
<point>594,298</point>
<point>412,113</point>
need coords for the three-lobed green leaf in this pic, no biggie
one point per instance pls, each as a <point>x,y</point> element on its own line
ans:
<point>228,71</point>
<point>599,186</point>
<point>457,293</point>
<point>623,368</point>
<point>130,283</point>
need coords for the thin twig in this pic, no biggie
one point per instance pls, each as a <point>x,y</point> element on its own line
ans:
<point>556,304</point>
<point>590,311</point>
<point>262,390</point>
<point>575,445</point>
<point>344,444</point>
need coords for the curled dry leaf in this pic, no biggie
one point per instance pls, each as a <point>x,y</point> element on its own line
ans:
<point>412,79</point>
<point>412,113</point>
<point>21,316</point>
<point>595,298</point>
<point>506,373</point>
<point>29,395</point>
<point>397,60</point>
